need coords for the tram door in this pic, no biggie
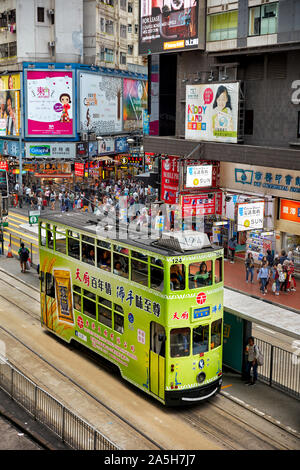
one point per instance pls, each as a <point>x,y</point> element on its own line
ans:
<point>157,359</point>
<point>50,302</point>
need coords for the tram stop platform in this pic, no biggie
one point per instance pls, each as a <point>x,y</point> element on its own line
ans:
<point>273,404</point>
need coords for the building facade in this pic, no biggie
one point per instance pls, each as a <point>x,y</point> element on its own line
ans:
<point>255,44</point>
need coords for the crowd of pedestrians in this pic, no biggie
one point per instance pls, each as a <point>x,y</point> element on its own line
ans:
<point>275,272</point>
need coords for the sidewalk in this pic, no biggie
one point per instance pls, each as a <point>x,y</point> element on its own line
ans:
<point>235,278</point>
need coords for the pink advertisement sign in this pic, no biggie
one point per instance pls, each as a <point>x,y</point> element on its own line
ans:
<point>50,103</point>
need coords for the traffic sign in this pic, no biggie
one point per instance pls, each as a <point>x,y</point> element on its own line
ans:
<point>34,217</point>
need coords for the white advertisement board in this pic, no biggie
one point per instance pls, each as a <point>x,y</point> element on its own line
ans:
<point>100,106</point>
<point>212,112</point>
<point>198,176</point>
<point>250,216</point>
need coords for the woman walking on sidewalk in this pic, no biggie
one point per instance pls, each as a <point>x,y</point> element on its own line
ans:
<point>263,275</point>
<point>249,263</point>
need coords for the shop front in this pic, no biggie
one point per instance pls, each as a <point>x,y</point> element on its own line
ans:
<point>53,174</point>
<point>288,225</point>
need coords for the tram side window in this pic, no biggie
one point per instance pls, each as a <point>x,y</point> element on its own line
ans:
<point>60,240</point>
<point>103,259</point>
<point>218,270</point>
<point>50,289</point>
<point>77,301</point>
<point>42,279</point>
<point>104,315</point>
<point>139,272</point>
<point>89,304</point>
<point>118,319</point>
<point>120,261</point>
<point>49,235</point>
<point>200,339</point>
<point>73,245</point>
<point>180,342</point>
<point>177,277</point>
<point>200,274</point>
<point>216,334</point>
<point>156,278</point>
<point>88,250</point>
<point>43,234</point>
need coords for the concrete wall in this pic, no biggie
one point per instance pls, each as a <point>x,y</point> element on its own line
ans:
<point>69,30</point>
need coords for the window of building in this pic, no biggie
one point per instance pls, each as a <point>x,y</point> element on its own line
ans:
<point>263,19</point>
<point>60,240</point>
<point>216,334</point>
<point>298,129</point>
<point>109,27</point>
<point>130,8</point>
<point>122,58</point>
<point>102,25</point>
<point>222,26</point>
<point>200,339</point>
<point>123,4</point>
<point>200,274</point>
<point>130,49</point>
<point>136,28</point>
<point>123,31</point>
<point>40,14</point>
<point>130,28</point>
<point>249,115</point>
<point>73,244</point>
<point>218,270</point>
<point>180,342</point>
<point>177,277</point>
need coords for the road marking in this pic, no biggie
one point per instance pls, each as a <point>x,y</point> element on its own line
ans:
<point>18,216</point>
<point>226,386</point>
<point>21,233</point>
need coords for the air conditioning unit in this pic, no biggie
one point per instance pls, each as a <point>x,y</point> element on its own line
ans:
<point>51,43</point>
<point>50,12</point>
<point>84,136</point>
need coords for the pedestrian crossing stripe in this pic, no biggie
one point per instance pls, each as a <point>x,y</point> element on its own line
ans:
<point>18,216</point>
<point>18,244</point>
<point>23,234</point>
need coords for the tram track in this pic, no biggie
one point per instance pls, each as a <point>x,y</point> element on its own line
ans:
<point>205,418</point>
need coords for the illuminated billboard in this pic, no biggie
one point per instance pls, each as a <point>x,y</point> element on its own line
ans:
<point>212,112</point>
<point>168,25</point>
<point>135,100</point>
<point>10,105</point>
<point>49,103</point>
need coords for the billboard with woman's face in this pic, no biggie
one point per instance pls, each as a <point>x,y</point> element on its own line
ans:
<point>212,112</point>
<point>10,105</point>
<point>168,25</point>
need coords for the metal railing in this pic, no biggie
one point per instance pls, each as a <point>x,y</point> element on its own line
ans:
<point>15,243</point>
<point>72,429</point>
<point>281,369</point>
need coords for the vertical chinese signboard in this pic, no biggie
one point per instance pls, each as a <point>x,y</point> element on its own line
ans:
<point>49,103</point>
<point>170,180</point>
<point>10,105</point>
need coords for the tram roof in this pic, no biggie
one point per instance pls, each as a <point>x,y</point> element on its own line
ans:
<point>88,222</point>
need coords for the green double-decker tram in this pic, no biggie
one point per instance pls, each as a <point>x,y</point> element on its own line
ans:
<point>153,307</point>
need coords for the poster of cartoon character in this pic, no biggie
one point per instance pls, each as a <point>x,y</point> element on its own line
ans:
<point>49,103</point>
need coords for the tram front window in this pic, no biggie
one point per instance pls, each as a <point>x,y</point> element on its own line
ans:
<point>200,274</point>
<point>180,342</point>
<point>177,277</point>
<point>200,339</point>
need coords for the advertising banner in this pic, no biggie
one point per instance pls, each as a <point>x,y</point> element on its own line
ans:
<point>49,103</point>
<point>250,216</point>
<point>57,150</point>
<point>201,204</point>
<point>212,112</point>
<point>121,145</point>
<point>198,176</point>
<point>106,146</point>
<point>79,169</point>
<point>135,100</point>
<point>100,104</point>
<point>170,180</point>
<point>168,25</point>
<point>10,105</point>
<point>290,210</point>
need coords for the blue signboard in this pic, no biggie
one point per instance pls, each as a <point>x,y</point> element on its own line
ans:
<point>121,145</point>
<point>201,312</point>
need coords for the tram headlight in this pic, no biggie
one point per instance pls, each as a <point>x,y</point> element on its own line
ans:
<point>201,377</point>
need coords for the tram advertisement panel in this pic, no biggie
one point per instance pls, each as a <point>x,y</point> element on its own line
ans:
<point>168,25</point>
<point>49,103</point>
